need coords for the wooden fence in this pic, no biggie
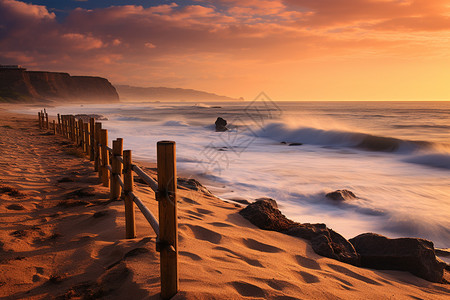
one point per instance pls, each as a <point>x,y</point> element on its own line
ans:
<point>115,169</point>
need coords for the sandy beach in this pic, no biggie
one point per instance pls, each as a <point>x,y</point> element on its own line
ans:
<point>62,238</point>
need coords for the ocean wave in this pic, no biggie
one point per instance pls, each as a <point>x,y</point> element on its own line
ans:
<point>175,123</point>
<point>441,161</point>
<point>337,138</point>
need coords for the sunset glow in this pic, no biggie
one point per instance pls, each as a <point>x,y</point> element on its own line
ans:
<point>292,49</point>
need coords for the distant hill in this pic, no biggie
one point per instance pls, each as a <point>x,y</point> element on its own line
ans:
<point>19,85</point>
<point>133,93</point>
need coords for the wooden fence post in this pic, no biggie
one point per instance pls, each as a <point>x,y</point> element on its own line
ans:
<point>76,131</point>
<point>59,123</point>
<point>130,225</point>
<point>98,129</point>
<point>91,139</point>
<point>80,133</point>
<point>71,127</point>
<point>87,141</point>
<point>40,122</point>
<point>43,119</point>
<point>46,121</point>
<point>105,157</point>
<point>116,166</point>
<point>168,223</point>
<point>54,127</point>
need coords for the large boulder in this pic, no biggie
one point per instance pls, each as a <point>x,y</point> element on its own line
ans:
<point>221,124</point>
<point>264,214</point>
<point>341,195</point>
<point>407,254</point>
<point>326,242</point>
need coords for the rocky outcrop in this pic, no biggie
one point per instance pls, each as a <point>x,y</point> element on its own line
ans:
<point>406,254</point>
<point>265,215</point>
<point>324,241</point>
<point>221,125</point>
<point>20,85</point>
<point>341,195</point>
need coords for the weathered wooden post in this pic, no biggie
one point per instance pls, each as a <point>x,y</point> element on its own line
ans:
<point>59,123</point>
<point>91,139</point>
<point>71,124</point>
<point>87,141</point>
<point>105,157</point>
<point>80,133</point>
<point>43,119</point>
<point>116,166</point>
<point>40,122</point>
<point>98,129</point>
<point>168,223</point>
<point>66,130</point>
<point>54,127</point>
<point>76,132</point>
<point>130,225</point>
<point>46,121</point>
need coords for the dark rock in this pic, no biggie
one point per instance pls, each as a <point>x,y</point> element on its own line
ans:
<point>326,242</point>
<point>295,144</point>
<point>284,143</point>
<point>341,195</point>
<point>221,125</point>
<point>270,200</point>
<point>307,231</point>
<point>264,215</point>
<point>407,254</point>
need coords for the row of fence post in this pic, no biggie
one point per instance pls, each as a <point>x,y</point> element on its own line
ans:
<point>93,140</point>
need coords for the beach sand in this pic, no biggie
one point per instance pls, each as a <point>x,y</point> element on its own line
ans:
<point>60,236</point>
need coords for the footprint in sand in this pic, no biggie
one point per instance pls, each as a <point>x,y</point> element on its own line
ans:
<point>252,262</point>
<point>191,255</point>
<point>204,234</point>
<point>190,201</point>
<point>279,285</point>
<point>220,224</point>
<point>248,290</point>
<point>204,211</point>
<point>307,277</point>
<point>258,246</point>
<point>352,274</point>
<point>307,262</point>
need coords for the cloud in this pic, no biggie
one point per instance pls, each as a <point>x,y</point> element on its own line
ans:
<point>24,10</point>
<point>220,39</point>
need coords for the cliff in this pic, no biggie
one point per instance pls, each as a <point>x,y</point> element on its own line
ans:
<point>18,85</point>
<point>133,93</point>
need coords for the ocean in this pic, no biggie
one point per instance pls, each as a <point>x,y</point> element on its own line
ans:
<point>394,156</point>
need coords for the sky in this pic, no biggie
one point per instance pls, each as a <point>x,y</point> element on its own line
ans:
<point>290,49</point>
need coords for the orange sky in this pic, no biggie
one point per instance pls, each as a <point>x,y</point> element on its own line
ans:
<point>292,50</point>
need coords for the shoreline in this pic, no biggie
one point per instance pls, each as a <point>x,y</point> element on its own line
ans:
<point>221,253</point>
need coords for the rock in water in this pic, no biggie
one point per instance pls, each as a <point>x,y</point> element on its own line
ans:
<point>341,195</point>
<point>221,125</point>
<point>406,254</point>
